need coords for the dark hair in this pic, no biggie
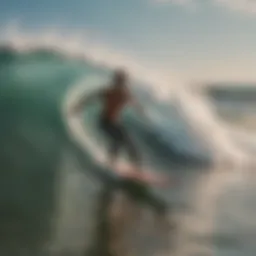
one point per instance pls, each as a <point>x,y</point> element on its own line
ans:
<point>120,74</point>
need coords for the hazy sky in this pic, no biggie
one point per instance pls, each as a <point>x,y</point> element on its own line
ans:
<point>200,39</point>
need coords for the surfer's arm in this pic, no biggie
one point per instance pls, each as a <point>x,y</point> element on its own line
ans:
<point>87,99</point>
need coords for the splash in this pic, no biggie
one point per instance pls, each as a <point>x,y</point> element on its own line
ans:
<point>200,115</point>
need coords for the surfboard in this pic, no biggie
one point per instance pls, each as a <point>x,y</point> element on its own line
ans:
<point>129,171</point>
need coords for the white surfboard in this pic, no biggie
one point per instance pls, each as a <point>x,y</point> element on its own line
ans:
<point>145,176</point>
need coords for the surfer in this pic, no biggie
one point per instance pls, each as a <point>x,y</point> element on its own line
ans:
<point>115,98</point>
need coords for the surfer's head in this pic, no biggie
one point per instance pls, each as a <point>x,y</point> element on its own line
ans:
<point>120,78</point>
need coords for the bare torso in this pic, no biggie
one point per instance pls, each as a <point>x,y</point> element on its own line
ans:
<point>113,103</point>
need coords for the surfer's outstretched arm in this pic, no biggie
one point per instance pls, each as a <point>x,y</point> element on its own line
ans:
<point>86,99</point>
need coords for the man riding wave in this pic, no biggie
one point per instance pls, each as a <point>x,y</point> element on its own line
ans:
<point>115,98</point>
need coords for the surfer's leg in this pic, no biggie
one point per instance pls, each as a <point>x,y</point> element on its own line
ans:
<point>116,143</point>
<point>131,148</point>
<point>118,140</point>
<point>112,134</point>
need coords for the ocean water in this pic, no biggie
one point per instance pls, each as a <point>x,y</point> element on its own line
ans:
<point>50,171</point>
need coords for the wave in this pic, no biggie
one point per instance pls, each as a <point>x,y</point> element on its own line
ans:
<point>45,70</point>
<point>174,125</point>
<point>36,78</point>
<point>172,105</point>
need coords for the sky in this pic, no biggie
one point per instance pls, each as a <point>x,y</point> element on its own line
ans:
<point>201,40</point>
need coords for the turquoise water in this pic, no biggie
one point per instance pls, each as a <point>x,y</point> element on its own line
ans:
<point>48,183</point>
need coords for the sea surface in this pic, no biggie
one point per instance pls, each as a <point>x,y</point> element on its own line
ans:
<point>50,181</point>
